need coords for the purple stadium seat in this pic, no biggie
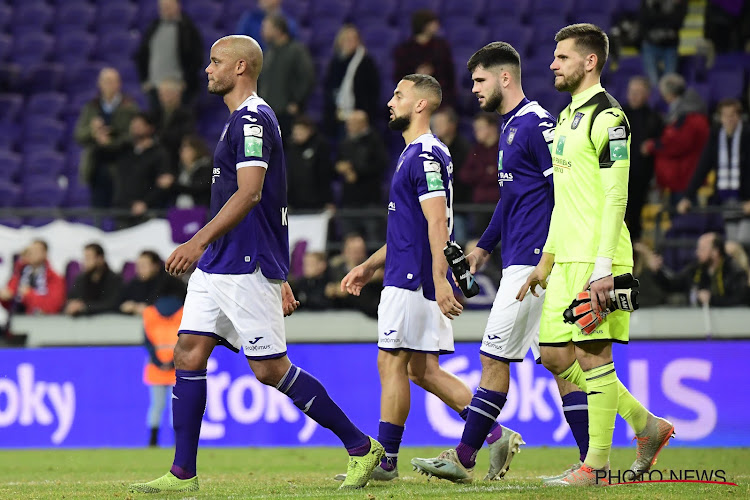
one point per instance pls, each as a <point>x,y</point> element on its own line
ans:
<point>323,37</point>
<point>296,265</point>
<point>5,45</point>
<point>72,270</point>
<point>74,46</point>
<point>10,77</point>
<point>407,7</point>
<point>128,271</point>
<point>43,164</point>
<point>77,196</point>
<point>148,11</point>
<point>13,222</point>
<point>381,11</point>
<point>42,194</point>
<point>72,160</point>
<point>49,104</point>
<point>31,47</point>
<point>72,15</point>
<point>43,77</point>
<point>465,9</point>
<point>44,133</point>
<point>31,15</point>
<point>377,35</point>
<point>330,10</point>
<point>690,226</point>
<point>10,166</point>
<point>10,107</point>
<point>6,13</point>
<point>185,222</point>
<point>117,47</point>
<point>726,83</point>
<point>8,135</point>
<point>10,194</point>
<point>82,77</point>
<point>594,7</point>
<point>604,21</point>
<point>543,8</point>
<point>122,14</point>
<point>463,33</point>
<point>204,13</point>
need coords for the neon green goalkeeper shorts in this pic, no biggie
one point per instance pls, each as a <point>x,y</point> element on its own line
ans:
<point>565,281</point>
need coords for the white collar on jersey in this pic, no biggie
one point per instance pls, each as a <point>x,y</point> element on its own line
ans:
<point>249,98</point>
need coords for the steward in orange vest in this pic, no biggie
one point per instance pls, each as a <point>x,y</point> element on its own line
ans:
<point>160,324</point>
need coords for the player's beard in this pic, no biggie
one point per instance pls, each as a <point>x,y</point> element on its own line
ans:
<point>572,82</point>
<point>219,87</point>
<point>399,123</point>
<point>492,102</point>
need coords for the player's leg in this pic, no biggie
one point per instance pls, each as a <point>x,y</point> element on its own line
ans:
<point>426,372</point>
<point>395,400</point>
<point>575,409</point>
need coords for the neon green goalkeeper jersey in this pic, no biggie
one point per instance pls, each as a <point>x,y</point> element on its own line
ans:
<point>591,160</point>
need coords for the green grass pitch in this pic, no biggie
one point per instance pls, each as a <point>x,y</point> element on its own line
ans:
<point>307,473</point>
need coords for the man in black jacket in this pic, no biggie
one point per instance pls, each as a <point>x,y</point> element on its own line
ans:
<point>645,123</point>
<point>97,289</point>
<point>660,22</point>
<point>309,172</point>
<point>712,279</point>
<point>171,47</point>
<point>728,154</point>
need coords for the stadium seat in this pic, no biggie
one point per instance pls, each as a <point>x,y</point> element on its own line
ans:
<point>72,270</point>
<point>8,135</point>
<point>726,83</point>
<point>49,104</point>
<point>77,196</point>
<point>330,10</point>
<point>6,14</point>
<point>10,194</point>
<point>464,9</point>
<point>382,11</point>
<point>128,271</point>
<point>465,33</point>
<point>117,47</point>
<point>296,264</point>
<point>407,7</point>
<point>323,37</point>
<point>31,15</point>
<point>32,47</point>
<point>515,34</point>
<point>604,21</point>
<point>5,44</point>
<point>49,164</point>
<point>43,134</point>
<point>504,14</point>
<point>148,11</point>
<point>376,35</point>
<point>185,222</point>
<point>42,193</point>
<point>10,166</point>
<point>82,77</point>
<point>122,14</point>
<point>74,16</point>
<point>560,10</point>
<point>594,7</point>
<point>74,46</point>
<point>10,107</point>
<point>10,77</point>
<point>205,13</point>
<point>43,77</point>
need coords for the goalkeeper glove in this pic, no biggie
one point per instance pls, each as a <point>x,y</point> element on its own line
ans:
<point>624,297</point>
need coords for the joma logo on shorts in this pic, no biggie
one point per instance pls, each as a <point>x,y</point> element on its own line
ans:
<point>254,341</point>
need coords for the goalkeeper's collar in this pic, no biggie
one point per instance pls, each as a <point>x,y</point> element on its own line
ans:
<point>582,98</point>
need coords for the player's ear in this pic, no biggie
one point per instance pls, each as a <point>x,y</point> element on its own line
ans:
<point>422,105</point>
<point>591,61</point>
<point>241,66</point>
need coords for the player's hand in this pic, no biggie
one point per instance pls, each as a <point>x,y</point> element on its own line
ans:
<point>288,303</point>
<point>356,279</point>
<point>183,257</point>
<point>537,277</point>
<point>447,302</point>
<point>600,290</point>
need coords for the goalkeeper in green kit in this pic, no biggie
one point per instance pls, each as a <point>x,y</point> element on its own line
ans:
<point>589,244</point>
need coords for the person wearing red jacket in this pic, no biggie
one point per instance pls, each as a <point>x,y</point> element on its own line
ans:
<point>34,287</point>
<point>678,150</point>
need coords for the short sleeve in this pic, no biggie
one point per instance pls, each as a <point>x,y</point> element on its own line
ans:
<point>610,134</point>
<point>429,175</point>
<point>251,137</point>
<point>540,145</point>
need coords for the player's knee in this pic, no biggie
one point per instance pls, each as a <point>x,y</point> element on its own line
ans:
<point>269,372</point>
<point>188,358</point>
<point>553,365</point>
<point>419,377</point>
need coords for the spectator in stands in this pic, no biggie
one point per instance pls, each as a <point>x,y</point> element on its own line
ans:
<point>646,266</point>
<point>645,124</point>
<point>251,20</point>
<point>142,165</point>
<point>151,282</point>
<point>661,21</point>
<point>354,253</point>
<point>34,288</point>
<point>171,47</point>
<point>679,148</point>
<point>102,130</point>
<point>310,289</point>
<point>728,154</point>
<point>97,289</point>
<point>174,121</point>
<point>480,169</point>
<point>161,321</point>
<point>361,164</point>
<point>727,25</point>
<point>288,73</point>
<point>309,172</point>
<point>352,82</point>
<point>426,53</point>
<point>712,279</point>
<point>193,182</point>
<point>445,126</point>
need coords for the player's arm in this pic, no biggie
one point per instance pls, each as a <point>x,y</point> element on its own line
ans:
<point>610,134</point>
<point>358,277</point>
<point>488,242</point>
<point>434,211</point>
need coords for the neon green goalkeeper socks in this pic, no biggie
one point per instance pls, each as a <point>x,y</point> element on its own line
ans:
<point>602,389</point>
<point>631,409</point>
<point>574,374</point>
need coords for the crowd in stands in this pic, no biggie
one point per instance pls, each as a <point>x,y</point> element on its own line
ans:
<point>141,127</point>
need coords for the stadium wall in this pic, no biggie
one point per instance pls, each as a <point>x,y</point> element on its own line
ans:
<point>94,397</point>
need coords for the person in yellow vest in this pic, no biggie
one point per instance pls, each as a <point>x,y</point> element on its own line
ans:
<point>160,324</point>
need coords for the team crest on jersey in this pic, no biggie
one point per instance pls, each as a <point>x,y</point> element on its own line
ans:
<point>511,134</point>
<point>576,120</point>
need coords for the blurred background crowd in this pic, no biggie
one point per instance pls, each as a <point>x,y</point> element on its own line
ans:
<point>105,120</point>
